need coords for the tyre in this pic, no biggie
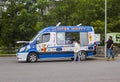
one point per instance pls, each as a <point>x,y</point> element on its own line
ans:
<point>72,59</point>
<point>82,55</point>
<point>32,57</point>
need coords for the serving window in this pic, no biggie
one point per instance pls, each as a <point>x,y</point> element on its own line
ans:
<point>64,38</point>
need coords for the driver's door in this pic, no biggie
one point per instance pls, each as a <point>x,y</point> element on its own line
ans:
<point>42,42</point>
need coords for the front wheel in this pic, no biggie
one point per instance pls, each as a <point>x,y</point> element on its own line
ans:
<point>72,59</point>
<point>82,55</point>
<point>32,57</point>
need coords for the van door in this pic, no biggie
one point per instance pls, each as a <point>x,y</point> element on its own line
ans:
<point>43,42</point>
<point>84,40</point>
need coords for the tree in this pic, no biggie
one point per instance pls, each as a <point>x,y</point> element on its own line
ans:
<point>24,18</point>
<point>113,15</point>
<point>18,23</point>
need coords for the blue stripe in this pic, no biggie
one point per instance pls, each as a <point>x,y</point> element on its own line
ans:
<point>90,54</point>
<point>68,29</point>
<point>57,55</point>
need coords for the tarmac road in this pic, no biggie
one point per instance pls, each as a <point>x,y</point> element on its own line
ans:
<point>91,70</point>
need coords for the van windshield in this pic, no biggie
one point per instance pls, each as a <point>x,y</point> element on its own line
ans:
<point>32,40</point>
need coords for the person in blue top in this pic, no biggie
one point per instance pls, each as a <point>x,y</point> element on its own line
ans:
<point>110,48</point>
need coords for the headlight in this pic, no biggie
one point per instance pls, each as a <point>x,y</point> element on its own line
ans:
<point>22,49</point>
<point>27,48</point>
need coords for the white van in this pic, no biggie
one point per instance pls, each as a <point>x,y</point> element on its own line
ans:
<point>57,42</point>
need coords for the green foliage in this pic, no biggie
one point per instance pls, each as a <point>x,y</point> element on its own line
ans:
<point>24,18</point>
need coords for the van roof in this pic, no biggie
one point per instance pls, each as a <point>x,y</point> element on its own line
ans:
<point>68,29</point>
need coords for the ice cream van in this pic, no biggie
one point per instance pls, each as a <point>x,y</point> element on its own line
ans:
<point>58,42</point>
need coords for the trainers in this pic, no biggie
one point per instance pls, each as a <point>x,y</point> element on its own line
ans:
<point>107,59</point>
<point>113,59</point>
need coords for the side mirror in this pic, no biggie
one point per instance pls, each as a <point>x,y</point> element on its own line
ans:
<point>38,41</point>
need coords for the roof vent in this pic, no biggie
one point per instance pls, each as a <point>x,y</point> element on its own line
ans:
<point>79,24</point>
<point>58,24</point>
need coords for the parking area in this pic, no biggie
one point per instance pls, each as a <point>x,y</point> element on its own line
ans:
<point>57,70</point>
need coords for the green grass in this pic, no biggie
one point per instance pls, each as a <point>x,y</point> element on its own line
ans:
<point>7,55</point>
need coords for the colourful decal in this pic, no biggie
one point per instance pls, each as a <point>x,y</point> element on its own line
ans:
<point>38,48</point>
<point>81,28</point>
<point>53,49</point>
<point>67,48</point>
<point>90,38</point>
<point>62,28</point>
<point>54,38</point>
<point>43,49</point>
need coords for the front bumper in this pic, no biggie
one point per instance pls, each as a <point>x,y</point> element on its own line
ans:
<point>22,56</point>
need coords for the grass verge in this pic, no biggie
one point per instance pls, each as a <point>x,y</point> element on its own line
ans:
<point>7,55</point>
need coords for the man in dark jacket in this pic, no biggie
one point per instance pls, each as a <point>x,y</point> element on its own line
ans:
<point>110,48</point>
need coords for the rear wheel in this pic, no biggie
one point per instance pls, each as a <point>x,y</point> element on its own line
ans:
<point>82,55</point>
<point>32,57</point>
<point>72,59</point>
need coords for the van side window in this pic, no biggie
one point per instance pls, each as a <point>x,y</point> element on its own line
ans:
<point>60,38</point>
<point>84,39</point>
<point>70,37</point>
<point>44,38</point>
<point>67,38</point>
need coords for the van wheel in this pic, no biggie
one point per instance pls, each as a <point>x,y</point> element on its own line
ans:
<point>82,55</point>
<point>72,59</point>
<point>32,57</point>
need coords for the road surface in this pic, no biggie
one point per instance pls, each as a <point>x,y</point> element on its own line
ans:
<point>91,70</point>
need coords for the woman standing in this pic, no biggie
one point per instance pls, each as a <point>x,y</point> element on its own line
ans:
<point>76,50</point>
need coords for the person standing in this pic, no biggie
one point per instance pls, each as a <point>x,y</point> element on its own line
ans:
<point>76,50</point>
<point>110,48</point>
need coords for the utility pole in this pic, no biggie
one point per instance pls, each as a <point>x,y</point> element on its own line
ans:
<point>105,50</point>
<point>1,4</point>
